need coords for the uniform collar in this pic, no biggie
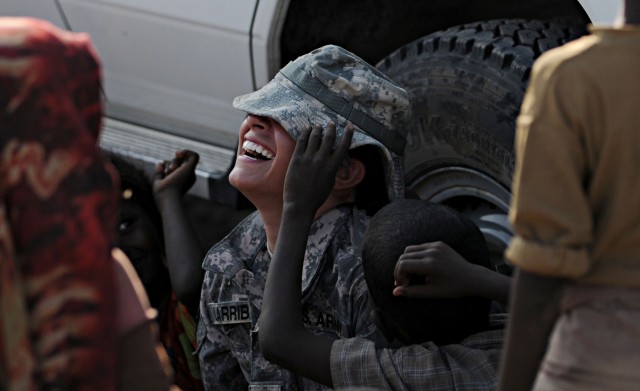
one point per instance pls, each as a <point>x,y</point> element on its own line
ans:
<point>246,246</point>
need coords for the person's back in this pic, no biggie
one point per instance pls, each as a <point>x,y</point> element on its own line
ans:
<point>591,104</point>
<point>410,222</point>
<point>576,219</point>
<point>72,312</point>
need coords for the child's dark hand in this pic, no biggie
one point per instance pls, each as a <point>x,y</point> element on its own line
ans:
<point>176,176</point>
<point>433,270</point>
<point>313,167</point>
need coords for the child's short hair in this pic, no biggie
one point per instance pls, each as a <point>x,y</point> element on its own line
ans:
<point>411,222</point>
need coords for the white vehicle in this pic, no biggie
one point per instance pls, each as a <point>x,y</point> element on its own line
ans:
<point>173,67</point>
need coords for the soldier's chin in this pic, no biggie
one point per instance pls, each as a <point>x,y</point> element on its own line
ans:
<point>243,182</point>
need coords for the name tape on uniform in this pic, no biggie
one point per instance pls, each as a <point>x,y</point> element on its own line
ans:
<point>230,312</point>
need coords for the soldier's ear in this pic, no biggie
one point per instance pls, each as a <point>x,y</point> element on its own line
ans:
<point>350,174</point>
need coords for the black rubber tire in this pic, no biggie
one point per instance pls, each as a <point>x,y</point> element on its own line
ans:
<point>466,85</point>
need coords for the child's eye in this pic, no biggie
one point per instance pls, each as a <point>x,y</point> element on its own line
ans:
<point>125,226</point>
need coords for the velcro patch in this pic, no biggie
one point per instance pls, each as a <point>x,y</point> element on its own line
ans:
<point>265,387</point>
<point>230,312</point>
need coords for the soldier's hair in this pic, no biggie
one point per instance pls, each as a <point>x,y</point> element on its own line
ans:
<point>411,222</point>
<point>371,193</point>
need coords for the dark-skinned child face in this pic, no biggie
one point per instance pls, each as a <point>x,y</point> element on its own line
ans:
<point>140,240</point>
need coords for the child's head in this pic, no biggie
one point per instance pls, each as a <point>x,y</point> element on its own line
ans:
<point>331,84</point>
<point>140,233</point>
<point>411,222</point>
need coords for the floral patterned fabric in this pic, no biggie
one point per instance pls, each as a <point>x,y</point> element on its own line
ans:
<point>58,205</point>
<point>178,334</point>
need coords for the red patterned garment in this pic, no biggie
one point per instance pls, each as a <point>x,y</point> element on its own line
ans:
<point>58,207</point>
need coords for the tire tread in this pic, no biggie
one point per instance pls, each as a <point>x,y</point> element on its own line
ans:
<point>506,44</point>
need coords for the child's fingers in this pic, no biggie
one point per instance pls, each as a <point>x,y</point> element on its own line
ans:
<point>328,138</point>
<point>314,138</point>
<point>194,156</point>
<point>190,158</point>
<point>415,291</point>
<point>345,142</point>
<point>401,291</point>
<point>416,248</point>
<point>160,167</point>
<point>343,148</point>
<point>303,139</point>
<point>159,171</point>
<point>177,160</point>
<point>407,267</point>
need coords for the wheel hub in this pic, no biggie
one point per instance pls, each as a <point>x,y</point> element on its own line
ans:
<point>478,197</point>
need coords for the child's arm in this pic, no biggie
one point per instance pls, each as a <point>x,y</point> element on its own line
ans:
<point>444,273</point>
<point>183,250</point>
<point>283,338</point>
<point>533,312</point>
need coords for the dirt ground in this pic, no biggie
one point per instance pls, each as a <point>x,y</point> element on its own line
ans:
<point>212,221</point>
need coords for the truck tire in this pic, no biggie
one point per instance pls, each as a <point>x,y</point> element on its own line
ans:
<point>466,85</point>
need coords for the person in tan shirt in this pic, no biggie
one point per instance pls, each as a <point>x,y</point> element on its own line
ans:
<point>575,303</point>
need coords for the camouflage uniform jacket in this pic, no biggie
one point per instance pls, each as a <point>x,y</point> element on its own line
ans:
<point>334,298</point>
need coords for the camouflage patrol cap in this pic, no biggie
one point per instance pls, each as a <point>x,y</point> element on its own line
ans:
<point>333,84</point>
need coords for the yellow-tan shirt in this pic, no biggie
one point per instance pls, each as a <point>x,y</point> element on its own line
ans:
<point>576,203</point>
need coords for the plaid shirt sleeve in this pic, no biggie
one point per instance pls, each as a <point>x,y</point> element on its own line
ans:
<point>471,365</point>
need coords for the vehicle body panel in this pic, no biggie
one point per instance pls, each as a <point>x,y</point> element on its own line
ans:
<point>172,68</point>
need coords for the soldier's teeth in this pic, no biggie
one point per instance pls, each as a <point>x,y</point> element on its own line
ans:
<point>255,148</point>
